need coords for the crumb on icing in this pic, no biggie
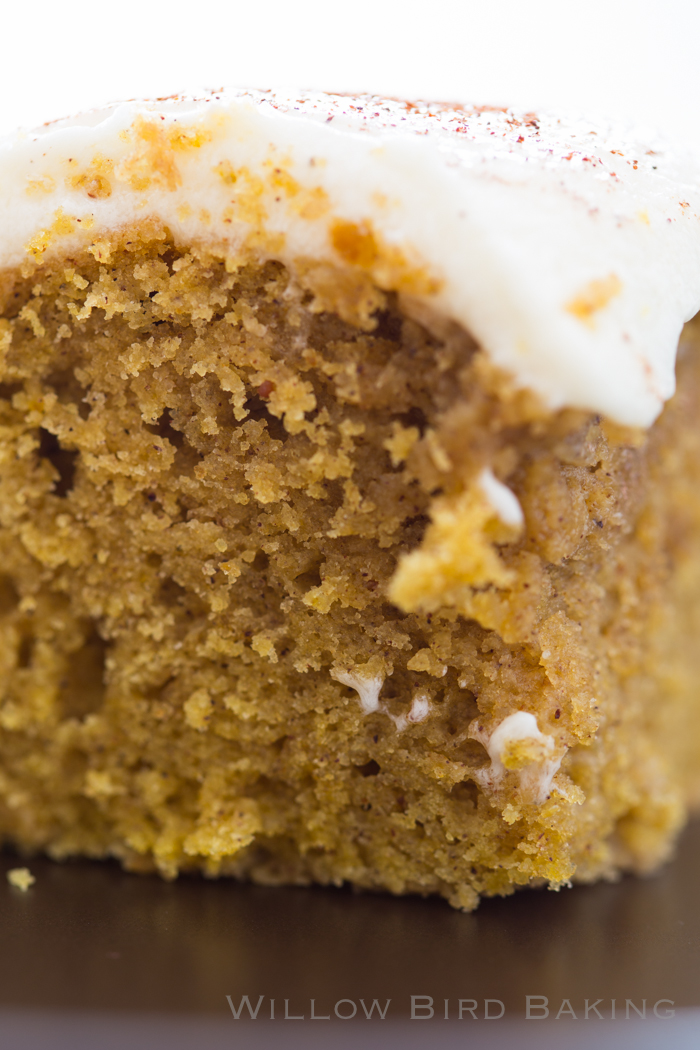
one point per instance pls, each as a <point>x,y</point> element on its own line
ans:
<point>594,297</point>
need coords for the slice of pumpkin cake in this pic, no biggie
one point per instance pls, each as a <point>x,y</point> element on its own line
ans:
<point>345,535</point>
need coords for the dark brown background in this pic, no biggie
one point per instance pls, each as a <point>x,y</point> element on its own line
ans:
<point>99,949</point>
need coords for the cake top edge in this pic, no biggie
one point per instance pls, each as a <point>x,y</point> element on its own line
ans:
<point>569,247</point>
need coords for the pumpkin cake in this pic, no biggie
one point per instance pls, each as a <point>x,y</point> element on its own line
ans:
<point>350,524</point>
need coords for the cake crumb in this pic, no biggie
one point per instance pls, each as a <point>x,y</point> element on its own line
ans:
<point>193,568</point>
<point>20,878</point>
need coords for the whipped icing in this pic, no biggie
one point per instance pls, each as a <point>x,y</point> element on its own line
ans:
<point>569,249</point>
<point>368,688</point>
<point>505,503</point>
<point>535,776</point>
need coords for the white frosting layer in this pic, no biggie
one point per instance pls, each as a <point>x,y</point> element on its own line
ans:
<point>571,252</point>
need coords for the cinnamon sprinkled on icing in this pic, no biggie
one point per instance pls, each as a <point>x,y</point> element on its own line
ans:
<point>569,249</point>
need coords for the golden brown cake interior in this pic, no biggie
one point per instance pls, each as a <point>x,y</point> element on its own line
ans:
<point>227,491</point>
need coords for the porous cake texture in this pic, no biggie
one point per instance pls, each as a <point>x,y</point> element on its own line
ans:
<point>298,582</point>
